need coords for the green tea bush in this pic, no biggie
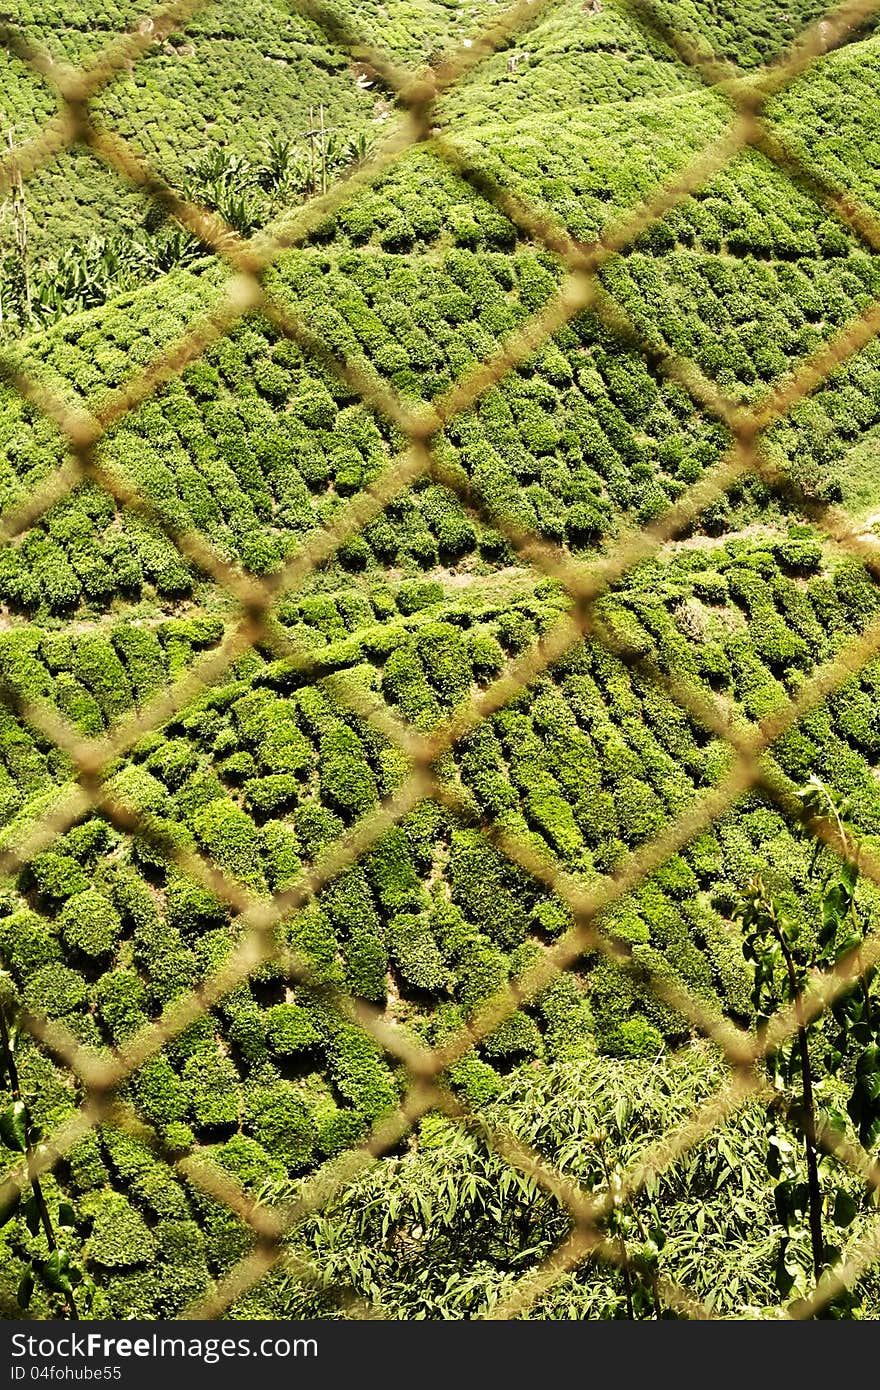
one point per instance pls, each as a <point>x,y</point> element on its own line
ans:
<point>55,990</point>
<point>290,1030</point>
<point>359,1073</point>
<point>120,1238</point>
<point>265,796</point>
<point>366,964</point>
<point>414,952</point>
<point>121,1000</point>
<point>392,874</point>
<point>255,447</point>
<point>89,923</point>
<point>162,1095</point>
<point>489,889</point>
<point>282,1124</point>
<point>231,837</point>
<point>28,943</point>
<point>212,1084</point>
<point>57,876</point>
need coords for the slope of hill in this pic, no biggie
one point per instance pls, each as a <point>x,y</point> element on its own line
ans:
<point>230,100</point>
<point>418,280</point>
<point>240,77</point>
<point>264,770</point>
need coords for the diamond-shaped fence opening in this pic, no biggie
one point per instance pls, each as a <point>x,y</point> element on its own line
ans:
<point>419,122</point>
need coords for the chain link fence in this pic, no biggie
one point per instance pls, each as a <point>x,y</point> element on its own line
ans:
<point>416,122</point>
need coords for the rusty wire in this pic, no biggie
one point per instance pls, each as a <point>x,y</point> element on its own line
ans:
<point>418,123</point>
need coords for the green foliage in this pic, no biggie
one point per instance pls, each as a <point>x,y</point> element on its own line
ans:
<point>392,874</point>
<point>119,1238</point>
<point>231,837</point>
<point>161,1094</point>
<point>121,1000</point>
<point>290,1030</point>
<point>57,876</point>
<point>366,965</point>
<point>489,889</point>
<point>90,923</point>
<point>281,1122</point>
<point>414,952</point>
<point>359,1072</point>
<point>783,954</point>
<point>254,447</point>
<point>55,990</point>
<point>27,943</point>
<point>211,1080</point>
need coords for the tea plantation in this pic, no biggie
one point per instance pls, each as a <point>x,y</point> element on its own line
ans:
<point>212,85</point>
<point>415,280</point>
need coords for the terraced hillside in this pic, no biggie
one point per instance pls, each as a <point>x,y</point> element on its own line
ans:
<point>416,282</point>
<point>413,282</point>
<point>209,87</point>
<point>250,108</point>
<point>265,770</point>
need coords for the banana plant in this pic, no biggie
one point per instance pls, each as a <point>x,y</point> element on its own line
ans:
<point>278,163</point>
<point>854,1017</point>
<point>246,193</point>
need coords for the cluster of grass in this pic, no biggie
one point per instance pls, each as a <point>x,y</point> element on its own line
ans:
<point>426,1228</point>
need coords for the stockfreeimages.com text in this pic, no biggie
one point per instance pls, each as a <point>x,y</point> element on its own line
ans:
<point>210,1350</point>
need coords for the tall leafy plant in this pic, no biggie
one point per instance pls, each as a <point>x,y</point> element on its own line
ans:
<point>56,1271</point>
<point>844,1041</point>
<point>639,1247</point>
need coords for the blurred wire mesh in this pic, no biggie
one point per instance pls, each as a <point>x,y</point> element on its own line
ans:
<point>417,122</point>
